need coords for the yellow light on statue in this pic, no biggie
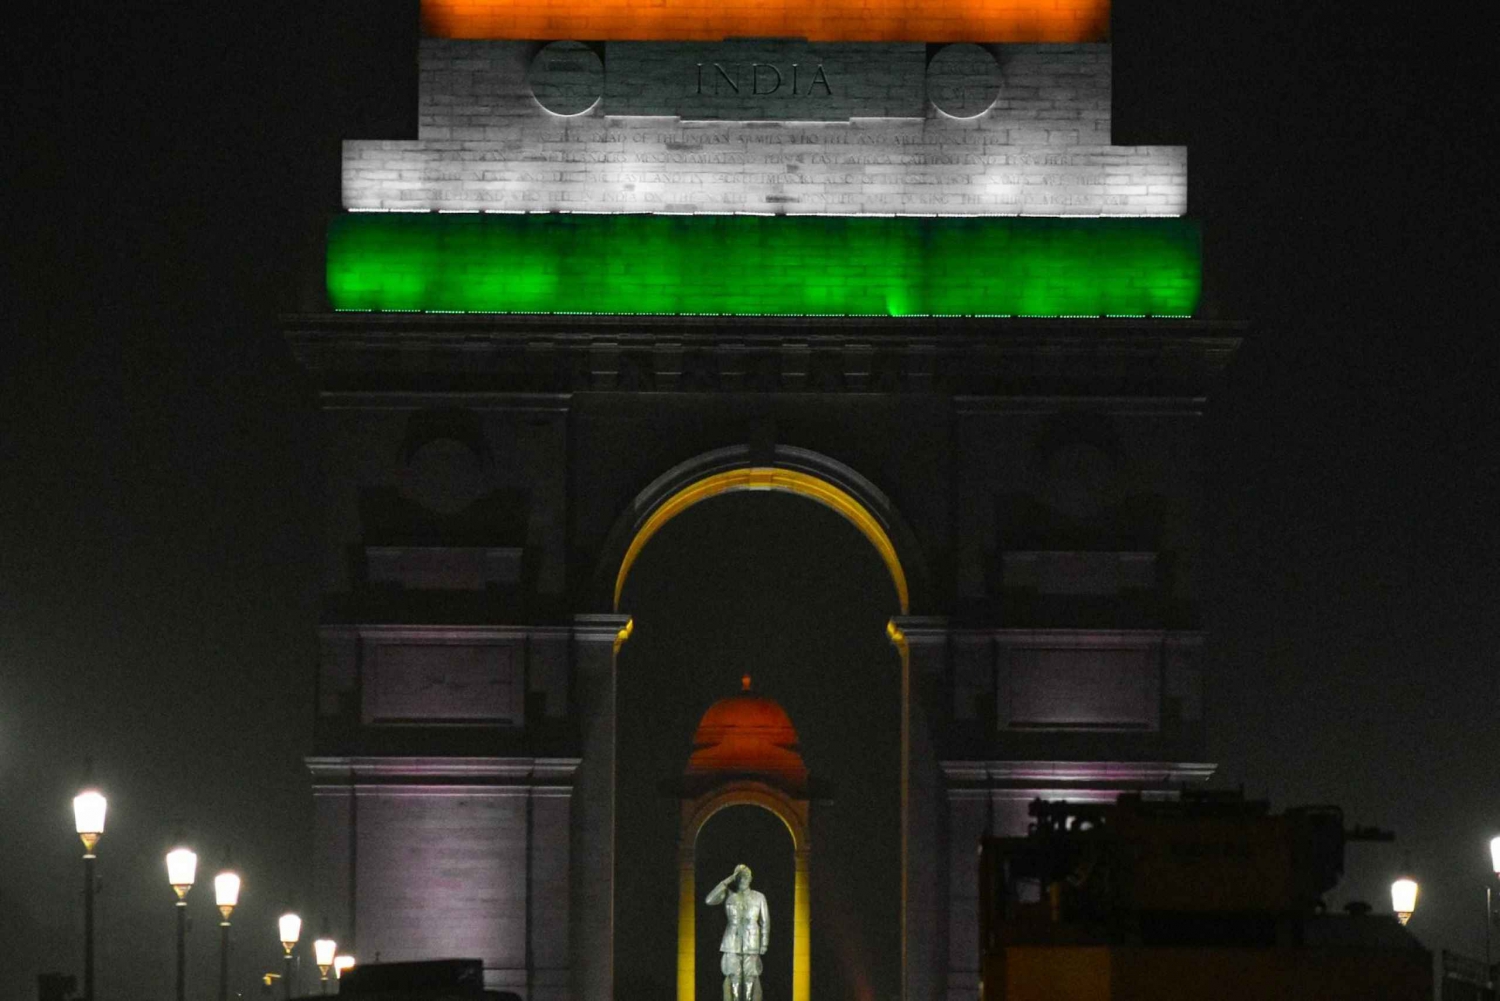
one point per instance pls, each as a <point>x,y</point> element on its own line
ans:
<point>182,866</point>
<point>1404,898</point>
<point>226,891</point>
<point>88,816</point>
<point>342,963</point>
<point>290,927</point>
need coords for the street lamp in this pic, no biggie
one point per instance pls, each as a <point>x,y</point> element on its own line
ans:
<point>290,927</point>
<point>227,896</point>
<point>1404,898</point>
<point>182,866</point>
<point>323,950</point>
<point>1489,908</point>
<point>340,964</point>
<point>88,818</point>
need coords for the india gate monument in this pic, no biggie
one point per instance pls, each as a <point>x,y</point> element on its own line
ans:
<point>651,299</point>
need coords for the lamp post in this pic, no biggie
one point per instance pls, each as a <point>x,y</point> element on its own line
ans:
<point>323,950</point>
<point>290,927</point>
<point>341,963</point>
<point>88,818</point>
<point>1404,898</point>
<point>227,896</point>
<point>182,866</point>
<point>1489,909</point>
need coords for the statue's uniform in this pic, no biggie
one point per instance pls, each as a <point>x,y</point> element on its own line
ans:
<point>747,934</point>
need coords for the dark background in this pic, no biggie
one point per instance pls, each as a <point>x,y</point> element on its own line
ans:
<point>169,168</point>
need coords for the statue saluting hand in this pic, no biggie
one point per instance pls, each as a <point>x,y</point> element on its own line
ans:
<point>747,933</point>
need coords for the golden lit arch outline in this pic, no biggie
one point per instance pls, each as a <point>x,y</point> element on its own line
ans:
<point>770,478</point>
<point>716,479</point>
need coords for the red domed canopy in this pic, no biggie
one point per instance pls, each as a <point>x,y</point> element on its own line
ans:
<point>747,733</point>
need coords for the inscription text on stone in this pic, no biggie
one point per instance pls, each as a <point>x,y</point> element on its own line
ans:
<point>765,79</point>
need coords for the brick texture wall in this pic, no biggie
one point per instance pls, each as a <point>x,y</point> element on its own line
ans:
<point>1042,148</point>
<point>443,874</point>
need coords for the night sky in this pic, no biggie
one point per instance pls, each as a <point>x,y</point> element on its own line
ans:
<point>158,485</point>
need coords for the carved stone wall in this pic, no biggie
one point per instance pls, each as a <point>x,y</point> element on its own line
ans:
<point>690,127</point>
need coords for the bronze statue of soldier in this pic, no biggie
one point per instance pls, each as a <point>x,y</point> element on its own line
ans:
<point>747,933</point>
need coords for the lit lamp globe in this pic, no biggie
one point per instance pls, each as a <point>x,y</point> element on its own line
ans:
<point>1404,898</point>
<point>1494,851</point>
<point>342,963</point>
<point>227,892</point>
<point>182,866</point>
<point>88,817</point>
<point>323,950</point>
<point>290,927</point>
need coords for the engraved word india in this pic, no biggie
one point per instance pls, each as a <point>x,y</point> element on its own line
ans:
<point>765,79</point>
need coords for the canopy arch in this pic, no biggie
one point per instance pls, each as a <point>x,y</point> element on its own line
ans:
<point>790,810</point>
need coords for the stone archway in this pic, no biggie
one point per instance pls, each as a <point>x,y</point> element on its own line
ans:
<point>788,469</point>
<point>837,487</point>
<point>792,811</point>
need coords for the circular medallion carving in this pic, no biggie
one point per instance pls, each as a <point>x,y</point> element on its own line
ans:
<point>566,78</point>
<point>963,80</point>
<point>1080,480</point>
<point>443,475</point>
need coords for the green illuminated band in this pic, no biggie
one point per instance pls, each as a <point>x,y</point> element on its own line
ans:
<point>759,265</point>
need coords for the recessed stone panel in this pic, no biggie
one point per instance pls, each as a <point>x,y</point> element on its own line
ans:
<point>434,683</point>
<point>757,79</point>
<point>443,568</point>
<point>1078,573</point>
<point>1079,682</point>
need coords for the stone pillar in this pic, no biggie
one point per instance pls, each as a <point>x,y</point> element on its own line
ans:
<point>549,925</point>
<point>802,927</point>
<point>687,922</point>
<point>923,642</point>
<point>968,821</point>
<point>596,640</point>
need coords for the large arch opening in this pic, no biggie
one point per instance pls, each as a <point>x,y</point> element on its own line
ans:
<point>760,581</point>
<point>787,469</point>
<point>774,478</point>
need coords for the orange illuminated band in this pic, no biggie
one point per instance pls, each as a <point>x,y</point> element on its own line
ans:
<point>815,20</point>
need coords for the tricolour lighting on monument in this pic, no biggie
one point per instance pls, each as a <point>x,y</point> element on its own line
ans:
<point>816,20</point>
<point>182,867</point>
<point>88,816</point>
<point>757,265</point>
<point>1404,898</point>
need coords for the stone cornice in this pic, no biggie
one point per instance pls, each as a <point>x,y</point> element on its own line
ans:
<point>1164,361</point>
<point>340,773</point>
<point>1122,774</point>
